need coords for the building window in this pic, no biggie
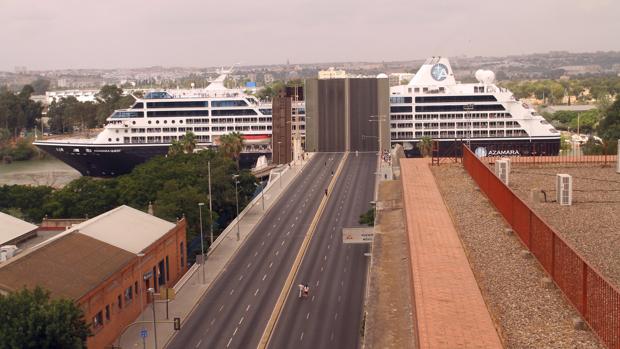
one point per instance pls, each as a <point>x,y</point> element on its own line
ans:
<point>128,295</point>
<point>167,269</point>
<point>135,286</point>
<point>120,302</point>
<point>182,254</point>
<point>98,320</point>
<point>107,312</point>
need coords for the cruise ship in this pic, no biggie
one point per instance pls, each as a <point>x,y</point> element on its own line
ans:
<point>487,117</point>
<point>146,129</point>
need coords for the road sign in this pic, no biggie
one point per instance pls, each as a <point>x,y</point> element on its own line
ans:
<point>357,235</point>
<point>177,323</point>
<point>144,333</point>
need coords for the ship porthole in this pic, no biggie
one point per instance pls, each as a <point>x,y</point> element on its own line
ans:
<point>149,122</point>
<point>117,139</point>
<point>157,122</point>
<point>133,122</point>
<point>109,139</point>
<point>173,121</point>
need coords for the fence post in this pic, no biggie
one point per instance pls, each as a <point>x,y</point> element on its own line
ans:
<point>584,290</point>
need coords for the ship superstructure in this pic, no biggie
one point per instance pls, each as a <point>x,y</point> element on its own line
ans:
<point>147,128</point>
<point>482,114</point>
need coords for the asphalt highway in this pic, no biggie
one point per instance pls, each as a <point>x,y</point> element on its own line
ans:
<point>237,307</point>
<point>331,316</point>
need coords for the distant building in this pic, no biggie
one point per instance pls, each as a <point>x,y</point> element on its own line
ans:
<point>21,69</point>
<point>332,73</point>
<point>106,265</point>
<point>80,95</point>
<point>14,230</point>
<point>268,79</point>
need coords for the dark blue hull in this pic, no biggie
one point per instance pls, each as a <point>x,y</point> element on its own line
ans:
<point>493,147</point>
<point>114,160</point>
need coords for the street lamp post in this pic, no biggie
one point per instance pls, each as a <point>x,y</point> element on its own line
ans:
<point>237,202</point>
<point>140,255</point>
<point>202,242</point>
<point>378,120</point>
<point>151,290</point>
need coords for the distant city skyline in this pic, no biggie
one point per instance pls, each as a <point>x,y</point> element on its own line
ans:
<point>69,34</point>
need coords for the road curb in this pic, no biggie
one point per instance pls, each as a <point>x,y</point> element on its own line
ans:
<point>286,290</point>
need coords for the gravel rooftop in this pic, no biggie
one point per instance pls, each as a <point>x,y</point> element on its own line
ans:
<point>526,314</point>
<point>592,224</point>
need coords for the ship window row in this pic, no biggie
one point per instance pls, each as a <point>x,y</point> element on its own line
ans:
<point>178,104</point>
<point>138,105</point>
<point>453,99</point>
<point>126,114</point>
<point>196,121</point>
<point>401,117</point>
<point>462,116</point>
<point>407,135</point>
<point>165,122</point>
<point>476,124</point>
<point>457,108</point>
<point>165,113</point>
<point>400,99</point>
<point>233,112</point>
<point>265,111</point>
<point>229,103</point>
<point>401,109</point>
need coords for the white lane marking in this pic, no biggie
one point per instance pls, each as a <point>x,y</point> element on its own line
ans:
<point>212,321</point>
<point>335,316</point>
<point>325,257</point>
<point>198,344</point>
<point>274,225</point>
<point>282,244</point>
<point>236,329</point>
<point>288,233</point>
<point>331,236</point>
<point>247,308</point>
<point>317,282</point>
<point>255,293</point>
<point>240,277</point>
<point>345,270</point>
<point>240,321</point>
<point>328,246</point>
<point>307,316</point>
<point>222,307</point>
<point>232,291</point>
<point>268,233</point>
<point>301,338</point>
<point>321,269</point>
<point>331,337</point>
<point>270,264</point>
<point>264,277</point>
<point>342,283</point>
<point>262,243</point>
<point>230,340</point>
<point>297,218</point>
<point>334,228</point>
<point>293,225</point>
<point>312,299</point>
<point>249,265</point>
<point>255,253</point>
<point>277,252</point>
<point>338,299</point>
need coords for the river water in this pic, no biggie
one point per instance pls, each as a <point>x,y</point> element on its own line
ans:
<point>48,171</point>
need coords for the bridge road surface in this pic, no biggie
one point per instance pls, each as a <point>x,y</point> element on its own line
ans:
<point>336,273</point>
<point>235,310</point>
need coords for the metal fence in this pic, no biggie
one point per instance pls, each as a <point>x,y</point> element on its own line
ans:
<point>590,293</point>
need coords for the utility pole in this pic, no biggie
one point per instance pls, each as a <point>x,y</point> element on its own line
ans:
<point>237,202</point>
<point>202,242</point>
<point>152,292</point>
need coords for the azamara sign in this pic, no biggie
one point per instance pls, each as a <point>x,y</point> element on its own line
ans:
<point>511,152</point>
<point>482,152</point>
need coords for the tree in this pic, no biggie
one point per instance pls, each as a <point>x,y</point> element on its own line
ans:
<point>609,127</point>
<point>368,217</point>
<point>425,145</point>
<point>231,145</point>
<point>189,142</point>
<point>30,319</point>
<point>40,85</point>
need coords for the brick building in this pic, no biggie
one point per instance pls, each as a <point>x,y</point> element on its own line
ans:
<point>105,264</point>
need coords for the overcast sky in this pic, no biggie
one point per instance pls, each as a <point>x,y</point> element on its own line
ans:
<point>56,34</point>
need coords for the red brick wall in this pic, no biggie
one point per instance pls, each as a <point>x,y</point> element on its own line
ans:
<point>107,293</point>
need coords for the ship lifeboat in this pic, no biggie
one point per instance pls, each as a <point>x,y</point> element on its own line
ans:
<point>256,139</point>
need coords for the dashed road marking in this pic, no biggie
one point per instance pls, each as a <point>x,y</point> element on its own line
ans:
<point>264,277</point>
<point>270,264</point>
<point>255,293</point>
<point>240,321</point>
<point>232,291</point>
<point>198,344</point>
<point>222,307</point>
<point>301,338</point>
<point>247,308</point>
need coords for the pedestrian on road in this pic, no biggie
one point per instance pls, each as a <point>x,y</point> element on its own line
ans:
<point>325,192</point>
<point>301,289</point>
<point>306,290</point>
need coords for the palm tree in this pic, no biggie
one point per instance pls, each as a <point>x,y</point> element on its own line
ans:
<point>231,145</point>
<point>175,148</point>
<point>424,145</point>
<point>189,142</point>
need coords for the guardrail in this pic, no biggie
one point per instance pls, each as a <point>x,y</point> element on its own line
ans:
<point>594,297</point>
